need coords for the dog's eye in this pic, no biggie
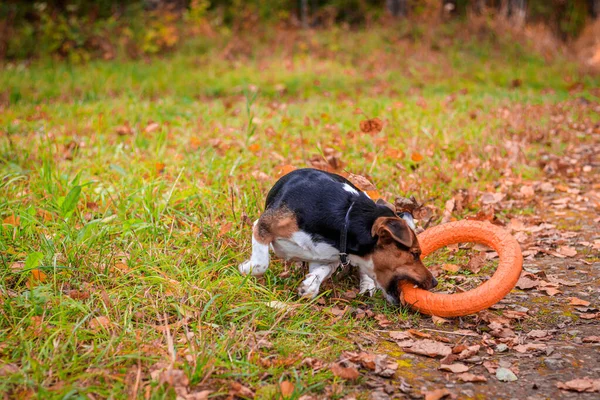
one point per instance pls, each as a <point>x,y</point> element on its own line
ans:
<point>417,255</point>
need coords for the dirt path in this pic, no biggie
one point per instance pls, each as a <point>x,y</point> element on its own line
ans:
<point>544,333</point>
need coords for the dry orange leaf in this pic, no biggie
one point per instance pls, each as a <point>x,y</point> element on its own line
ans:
<point>254,147</point>
<point>160,167</point>
<point>122,267</point>
<point>152,127</point>
<point>287,389</point>
<point>38,275</point>
<point>12,220</point>
<point>285,169</point>
<point>416,157</point>
<point>100,321</point>
<point>224,229</point>
<point>373,194</point>
<point>350,373</point>
<point>574,301</point>
<point>371,126</point>
<point>451,267</point>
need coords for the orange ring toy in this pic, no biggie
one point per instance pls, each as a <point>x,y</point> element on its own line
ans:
<point>490,292</point>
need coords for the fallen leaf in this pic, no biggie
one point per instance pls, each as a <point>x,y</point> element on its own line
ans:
<point>524,348</point>
<point>439,320</point>
<point>525,282</point>
<point>98,322</point>
<point>451,267</point>
<point>567,251</point>
<point>287,389</point>
<point>586,384</point>
<point>469,352</point>
<point>124,130</point>
<point>225,228</point>
<point>8,369</point>
<point>454,368</point>
<point>78,294</point>
<point>350,373</point>
<point>550,291</point>
<point>491,198</point>
<point>591,339</point>
<point>574,301</point>
<point>12,220</point>
<point>437,394</point>
<point>398,335</point>
<point>589,315</point>
<point>371,126</point>
<point>361,182</point>
<point>159,167</point>
<point>476,262</point>
<point>527,191</point>
<point>469,377</point>
<point>239,390</point>
<point>38,275</point>
<point>429,348</point>
<point>416,157</point>
<point>419,334</point>
<point>537,334</point>
<point>383,321</point>
<point>152,127</point>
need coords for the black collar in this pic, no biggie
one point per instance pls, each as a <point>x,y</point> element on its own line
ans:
<point>344,239</point>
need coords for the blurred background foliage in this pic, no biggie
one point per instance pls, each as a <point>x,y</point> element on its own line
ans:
<point>80,30</point>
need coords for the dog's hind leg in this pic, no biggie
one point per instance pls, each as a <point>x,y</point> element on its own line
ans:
<point>259,260</point>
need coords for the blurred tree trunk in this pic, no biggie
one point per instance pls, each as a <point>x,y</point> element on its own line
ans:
<point>594,6</point>
<point>304,13</point>
<point>514,11</point>
<point>397,8</point>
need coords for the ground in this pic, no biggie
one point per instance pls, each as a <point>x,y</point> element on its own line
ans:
<point>128,189</point>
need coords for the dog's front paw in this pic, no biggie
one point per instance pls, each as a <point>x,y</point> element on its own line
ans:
<point>367,285</point>
<point>247,267</point>
<point>309,287</point>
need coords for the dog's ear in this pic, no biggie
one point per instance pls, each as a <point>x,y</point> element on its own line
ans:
<point>393,228</point>
<point>382,202</point>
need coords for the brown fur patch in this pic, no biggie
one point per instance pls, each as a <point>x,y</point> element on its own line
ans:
<point>275,223</point>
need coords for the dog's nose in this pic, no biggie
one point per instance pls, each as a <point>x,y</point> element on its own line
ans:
<point>434,282</point>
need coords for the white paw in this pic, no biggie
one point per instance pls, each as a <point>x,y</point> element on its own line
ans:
<point>367,287</point>
<point>247,267</point>
<point>310,287</point>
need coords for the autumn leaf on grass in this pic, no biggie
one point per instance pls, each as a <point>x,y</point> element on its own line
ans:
<point>349,373</point>
<point>586,384</point>
<point>451,267</point>
<point>371,126</point>
<point>124,130</point>
<point>287,389</point>
<point>239,390</point>
<point>574,301</point>
<point>152,127</point>
<point>416,156</point>
<point>98,322</point>
<point>12,220</point>
<point>225,229</point>
<point>476,262</point>
<point>383,321</point>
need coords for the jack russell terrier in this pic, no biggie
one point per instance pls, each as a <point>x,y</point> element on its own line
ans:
<point>323,219</point>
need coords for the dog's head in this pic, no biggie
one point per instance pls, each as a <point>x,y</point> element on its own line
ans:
<point>397,257</point>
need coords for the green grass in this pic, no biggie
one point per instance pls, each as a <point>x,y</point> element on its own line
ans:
<point>147,228</point>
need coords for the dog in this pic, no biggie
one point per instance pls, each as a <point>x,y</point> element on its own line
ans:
<point>324,220</point>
